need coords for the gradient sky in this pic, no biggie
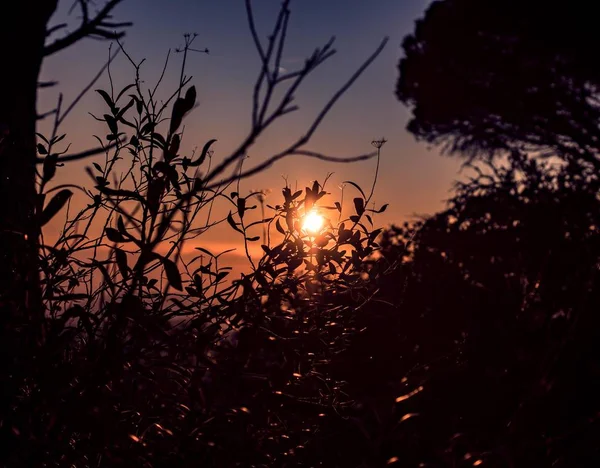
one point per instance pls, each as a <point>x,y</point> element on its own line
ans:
<point>413,180</point>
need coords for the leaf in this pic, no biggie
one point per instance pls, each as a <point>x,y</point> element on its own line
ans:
<point>356,186</point>
<point>97,166</point>
<point>253,239</point>
<point>58,138</point>
<point>49,168</point>
<point>359,205</point>
<point>225,252</point>
<point>121,258</point>
<point>106,98</point>
<point>181,107</point>
<point>383,208</point>
<point>202,249</point>
<point>158,139</point>
<point>125,109</point>
<point>202,157</point>
<point>241,206</point>
<point>41,149</point>
<point>172,273</point>
<point>147,128</point>
<point>112,123</point>
<point>173,148</point>
<point>279,227</point>
<point>139,104</point>
<point>294,263</point>
<point>338,206</point>
<point>114,236</point>
<point>58,201</point>
<point>190,98</point>
<point>221,275</point>
<point>125,89</point>
<point>121,225</point>
<point>233,224</point>
<point>155,192</point>
<point>43,138</point>
<point>373,235</point>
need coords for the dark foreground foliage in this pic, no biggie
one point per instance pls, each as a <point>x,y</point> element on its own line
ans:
<point>466,339</point>
<point>492,342</point>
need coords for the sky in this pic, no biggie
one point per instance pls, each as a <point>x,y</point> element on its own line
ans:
<point>414,179</point>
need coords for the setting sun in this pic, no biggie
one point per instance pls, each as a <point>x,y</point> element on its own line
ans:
<point>313,222</point>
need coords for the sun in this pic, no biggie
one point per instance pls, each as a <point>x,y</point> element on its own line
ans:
<point>313,222</point>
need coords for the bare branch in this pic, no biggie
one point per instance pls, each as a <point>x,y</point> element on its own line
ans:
<point>253,31</point>
<point>47,84</point>
<point>55,28</point>
<point>273,159</point>
<point>314,61</point>
<point>265,58</point>
<point>43,115</point>
<point>87,88</point>
<point>87,153</point>
<point>343,89</point>
<point>94,27</point>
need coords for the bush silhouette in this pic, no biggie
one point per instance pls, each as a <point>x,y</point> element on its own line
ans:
<point>148,358</point>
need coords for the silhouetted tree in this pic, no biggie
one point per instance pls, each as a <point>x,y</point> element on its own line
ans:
<point>485,77</point>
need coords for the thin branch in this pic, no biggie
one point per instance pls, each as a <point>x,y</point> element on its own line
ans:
<point>162,75</point>
<point>87,153</point>
<point>55,28</point>
<point>253,31</point>
<point>343,89</point>
<point>89,28</point>
<point>45,114</point>
<point>314,61</point>
<point>258,110</point>
<point>87,88</point>
<point>47,84</point>
<point>273,159</point>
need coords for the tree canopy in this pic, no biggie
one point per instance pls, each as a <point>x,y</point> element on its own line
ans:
<point>485,77</point>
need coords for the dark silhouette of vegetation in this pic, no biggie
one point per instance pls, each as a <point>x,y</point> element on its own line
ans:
<point>488,332</point>
<point>138,356</point>
<point>465,338</point>
<point>486,77</point>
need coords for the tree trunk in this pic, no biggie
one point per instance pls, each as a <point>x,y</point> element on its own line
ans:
<point>22,33</point>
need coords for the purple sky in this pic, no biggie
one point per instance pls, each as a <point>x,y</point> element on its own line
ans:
<point>413,179</point>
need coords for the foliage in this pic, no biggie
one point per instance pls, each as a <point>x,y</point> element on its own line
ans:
<point>486,77</point>
<point>487,335</point>
<point>147,358</point>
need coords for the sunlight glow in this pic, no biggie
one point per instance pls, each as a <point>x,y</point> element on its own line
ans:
<point>313,223</point>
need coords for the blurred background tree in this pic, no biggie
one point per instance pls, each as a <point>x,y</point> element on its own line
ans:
<point>482,78</point>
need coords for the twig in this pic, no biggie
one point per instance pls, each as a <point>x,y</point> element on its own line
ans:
<point>90,28</point>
